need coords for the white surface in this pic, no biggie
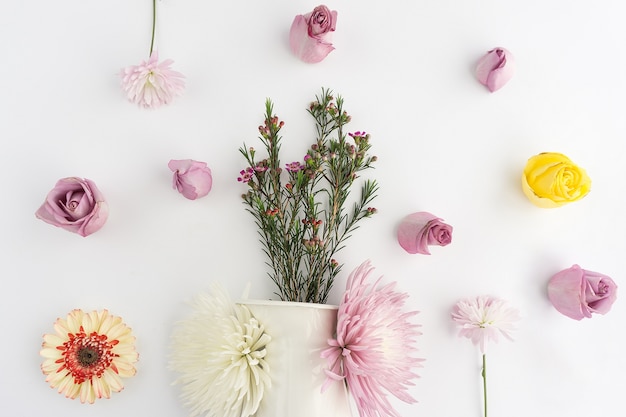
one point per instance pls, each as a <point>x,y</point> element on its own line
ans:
<point>445,145</point>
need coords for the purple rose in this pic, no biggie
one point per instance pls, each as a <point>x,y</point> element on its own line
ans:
<point>495,68</point>
<point>577,293</point>
<point>419,230</point>
<point>310,34</point>
<point>75,204</point>
<point>192,179</point>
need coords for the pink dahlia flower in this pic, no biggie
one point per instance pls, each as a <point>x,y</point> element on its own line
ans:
<point>151,84</point>
<point>374,347</point>
<point>484,318</point>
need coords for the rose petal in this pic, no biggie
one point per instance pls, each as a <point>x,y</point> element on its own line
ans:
<point>193,179</point>
<point>601,292</point>
<point>565,292</point>
<point>305,47</point>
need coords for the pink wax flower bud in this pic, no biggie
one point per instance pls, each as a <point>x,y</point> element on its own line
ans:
<point>75,204</point>
<point>192,179</point>
<point>310,34</point>
<point>419,230</point>
<point>495,68</point>
<point>577,292</point>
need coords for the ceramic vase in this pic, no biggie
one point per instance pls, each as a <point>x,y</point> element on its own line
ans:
<point>299,332</point>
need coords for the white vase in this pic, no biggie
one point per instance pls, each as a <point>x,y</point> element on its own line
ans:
<point>299,333</point>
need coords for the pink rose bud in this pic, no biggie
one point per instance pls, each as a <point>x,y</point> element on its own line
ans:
<point>75,204</point>
<point>192,179</point>
<point>310,34</point>
<point>495,68</point>
<point>577,293</point>
<point>419,230</point>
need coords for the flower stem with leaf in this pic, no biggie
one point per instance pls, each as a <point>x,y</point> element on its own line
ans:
<point>484,374</point>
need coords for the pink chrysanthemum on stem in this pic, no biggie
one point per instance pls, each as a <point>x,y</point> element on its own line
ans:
<point>374,347</point>
<point>152,84</point>
<point>481,319</point>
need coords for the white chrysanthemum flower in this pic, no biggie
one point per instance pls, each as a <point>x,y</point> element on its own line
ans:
<point>220,354</point>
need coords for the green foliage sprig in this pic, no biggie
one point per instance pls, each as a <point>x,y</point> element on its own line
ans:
<point>300,209</point>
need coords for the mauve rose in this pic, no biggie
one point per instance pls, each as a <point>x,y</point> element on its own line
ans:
<point>419,230</point>
<point>577,292</point>
<point>75,204</point>
<point>310,34</point>
<point>192,179</point>
<point>495,68</point>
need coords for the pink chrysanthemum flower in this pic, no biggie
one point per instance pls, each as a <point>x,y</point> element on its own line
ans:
<point>373,351</point>
<point>484,318</point>
<point>151,84</point>
<point>88,355</point>
<point>481,319</point>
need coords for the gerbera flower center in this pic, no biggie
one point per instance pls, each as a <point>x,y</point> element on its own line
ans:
<point>87,356</point>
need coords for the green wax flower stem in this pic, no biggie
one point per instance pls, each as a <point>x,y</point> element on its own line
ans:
<point>484,374</point>
<point>153,26</point>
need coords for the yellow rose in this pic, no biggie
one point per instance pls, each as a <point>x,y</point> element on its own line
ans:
<point>551,180</point>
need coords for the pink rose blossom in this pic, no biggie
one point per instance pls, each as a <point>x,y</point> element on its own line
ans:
<point>419,230</point>
<point>151,84</point>
<point>577,292</point>
<point>75,204</point>
<point>375,345</point>
<point>484,318</point>
<point>495,68</point>
<point>192,179</point>
<point>310,34</point>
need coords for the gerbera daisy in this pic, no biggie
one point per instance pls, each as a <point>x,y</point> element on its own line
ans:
<point>88,355</point>
<point>374,347</point>
<point>220,353</point>
<point>481,319</point>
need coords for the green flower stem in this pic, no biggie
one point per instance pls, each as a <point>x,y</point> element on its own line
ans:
<point>484,374</point>
<point>153,26</point>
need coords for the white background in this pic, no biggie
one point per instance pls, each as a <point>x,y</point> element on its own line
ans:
<point>444,143</point>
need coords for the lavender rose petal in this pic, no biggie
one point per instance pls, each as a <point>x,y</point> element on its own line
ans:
<point>193,179</point>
